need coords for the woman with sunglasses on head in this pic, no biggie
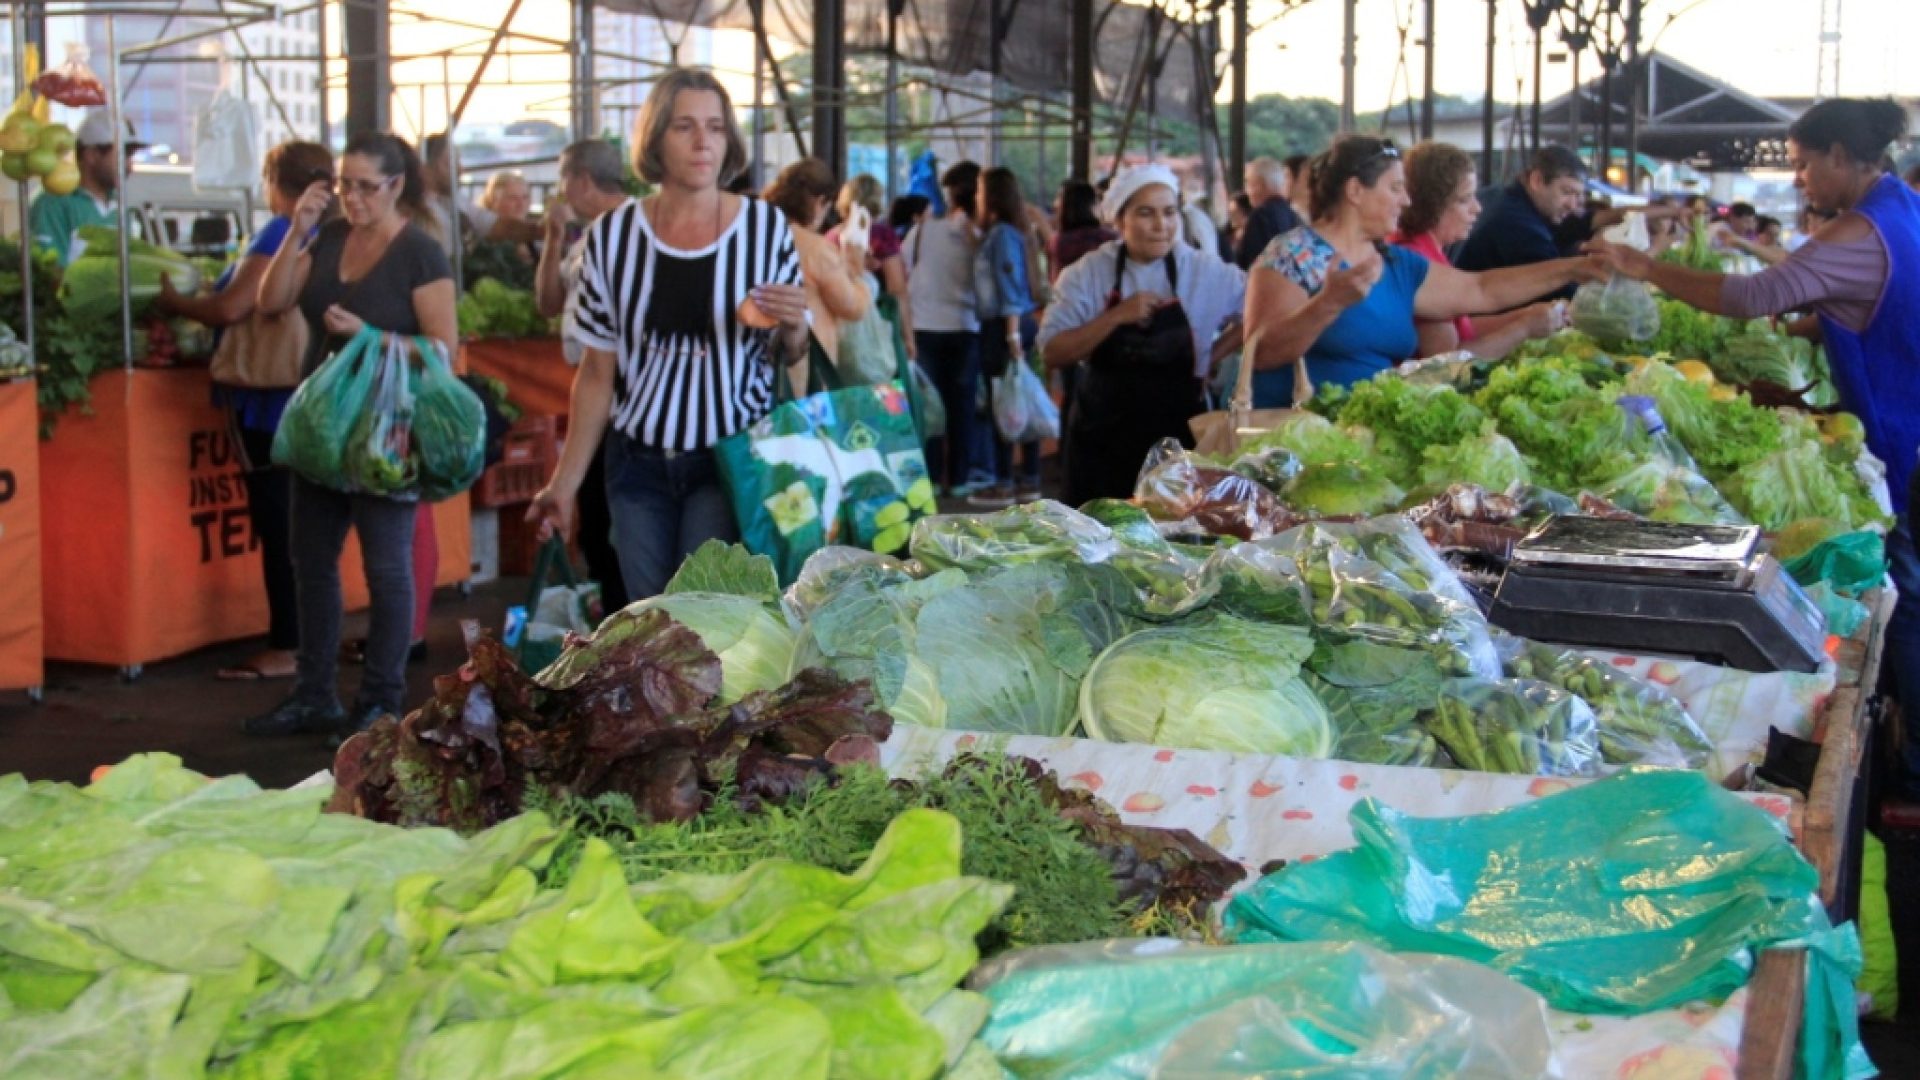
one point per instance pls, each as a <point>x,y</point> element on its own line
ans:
<point>374,266</point>
<point>1334,294</point>
<point>255,413</point>
<point>687,298</point>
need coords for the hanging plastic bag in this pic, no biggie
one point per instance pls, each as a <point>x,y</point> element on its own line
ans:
<point>1617,311</point>
<point>932,409</point>
<point>449,426</point>
<point>1517,726</point>
<point>379,457</point>
<point>324,410</point>
<point>1638,723</point>
<point>866,351</point>
<point>73,83</point>
<point>1155,1008</point>
<point>1022,409</point>
<point>570,606</point>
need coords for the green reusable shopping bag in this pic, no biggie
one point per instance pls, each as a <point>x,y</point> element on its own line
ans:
<point>842,465</point>
<point>320,417</point>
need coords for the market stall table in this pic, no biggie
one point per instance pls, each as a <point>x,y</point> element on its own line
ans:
<point>22,651</point>
<point>539,379</point>
<point>148,550</point>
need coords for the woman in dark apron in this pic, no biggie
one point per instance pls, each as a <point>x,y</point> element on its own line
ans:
<point>1136,312</point>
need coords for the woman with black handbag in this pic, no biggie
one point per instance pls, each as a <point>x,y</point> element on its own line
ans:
<point>256,365</point>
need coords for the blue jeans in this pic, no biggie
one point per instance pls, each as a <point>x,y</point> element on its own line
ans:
<point>664,505</point>
<point>321,518</point>
<point>952,361</point>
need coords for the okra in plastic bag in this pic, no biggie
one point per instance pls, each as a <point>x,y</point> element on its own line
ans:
<point>1638,722</point>
<point>1044,531</point>
<point>1518,726</point>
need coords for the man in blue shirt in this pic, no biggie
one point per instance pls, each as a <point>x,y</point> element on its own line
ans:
<point>1518,226</point>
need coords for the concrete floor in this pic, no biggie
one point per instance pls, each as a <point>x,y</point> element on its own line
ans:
<point>90,717</point>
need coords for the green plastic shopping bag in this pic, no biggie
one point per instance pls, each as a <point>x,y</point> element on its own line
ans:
<point>449,426</point>
<point>324,409</point>
<point>558,604</point>
<point>842,465</point>
<point>379,456</point>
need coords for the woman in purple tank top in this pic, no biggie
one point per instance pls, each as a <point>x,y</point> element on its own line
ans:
<point>1860,274</point>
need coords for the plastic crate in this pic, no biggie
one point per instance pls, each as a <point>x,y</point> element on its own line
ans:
<point>532,447</point>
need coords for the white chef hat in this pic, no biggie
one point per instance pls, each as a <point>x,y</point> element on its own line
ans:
<point>1128,184</point>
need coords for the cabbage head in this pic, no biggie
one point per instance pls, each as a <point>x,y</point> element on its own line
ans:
<point>753,641</point>
<point>1343,489</point>
<point>1213,683</point>
<point>1488,459</point>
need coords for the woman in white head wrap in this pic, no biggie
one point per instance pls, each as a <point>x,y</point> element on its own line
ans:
<point>1146,314</point>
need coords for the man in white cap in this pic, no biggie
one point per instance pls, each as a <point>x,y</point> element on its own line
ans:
<point>54,219</point>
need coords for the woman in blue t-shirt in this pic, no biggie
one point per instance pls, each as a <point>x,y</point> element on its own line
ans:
<point>1335,295</point>
<point>255,414</point>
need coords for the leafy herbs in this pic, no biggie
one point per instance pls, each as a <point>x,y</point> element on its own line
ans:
<point>491,309</point>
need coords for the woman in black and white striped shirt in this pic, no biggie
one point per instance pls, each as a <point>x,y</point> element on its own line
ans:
<point>687,299</point>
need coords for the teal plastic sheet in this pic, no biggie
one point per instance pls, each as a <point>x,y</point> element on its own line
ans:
<point>1852,563</point>
<point>1126,1009</point>
<point>1644,891</point>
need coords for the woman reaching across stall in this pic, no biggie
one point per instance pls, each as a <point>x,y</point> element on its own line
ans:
<point>1143,313</point>
<point>686,299</point>
<point>255,413</point>
<point>1860,274</point>
<point>1441,209</point>
<point>1335,295</point>
<point>372,267</point>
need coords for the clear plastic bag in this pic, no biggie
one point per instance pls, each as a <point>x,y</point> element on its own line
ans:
<point>1158,1008</point>
<point>1638,723</point>
<point>1616,311</point>
<point>1176,484</point>
<point>866,354</point>
<point>1254,581</point>
<point>933,409</point>
<point>1022,409</point>
<point>73,83</point>
<point>379,458</point>
<point>826,570</point>
<point>1664,491</point>
<point>1518,726</point>
<point>1044,531</point>
<point>1272,468</point>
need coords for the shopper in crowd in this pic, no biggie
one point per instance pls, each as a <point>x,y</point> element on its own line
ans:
<point>1442,206</point>
<point>888,269</point>
<point>1004,290</point>
<point>1300,184</point>
<point>54,220</point>
<point>373,267</point>
<point>1740,223</point>
<point>591,187</point>
<point>835,279</point>
<point>946,326</point>
<point>1239,210</point>
<point>1663,224</point>
<point>1078,231</point>
<point>253,415</point>
<point>907,212</point>
<point>448,207</point>
<point>1861,275</point>
<point>1766,243</point>
<point>1266,187</point>
<point>1335,295</point>
<point>1143,315</point>
<point>1518,227</point>
<point>509,198</point>
<point>687,299</point>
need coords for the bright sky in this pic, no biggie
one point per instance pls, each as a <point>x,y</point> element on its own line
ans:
<point>1766,47</point>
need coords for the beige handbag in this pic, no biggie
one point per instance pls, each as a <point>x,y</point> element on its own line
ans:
<point>263,352</point>
<point>1221,431</point>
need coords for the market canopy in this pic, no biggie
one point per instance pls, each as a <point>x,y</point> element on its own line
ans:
<point>954,37</point>
<point>1688,116</point>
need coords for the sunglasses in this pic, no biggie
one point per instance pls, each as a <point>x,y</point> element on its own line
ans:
<point>1387,151</point>
<point>364,188</point>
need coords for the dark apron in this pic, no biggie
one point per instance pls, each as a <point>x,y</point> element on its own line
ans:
<point>1139,387</point>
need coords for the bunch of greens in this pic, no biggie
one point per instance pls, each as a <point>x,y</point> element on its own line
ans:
<point>1799,481</point>
<point>1572,434</point>
<point>1488,459</point>
<point>1722,436</point>
<point>1216,682</point>
<point>497,260</point>
<point>168,925</point>
<point>1078,873</point>
<point>1758,355</point>
<point>1687,333</point>
<point>1314,440</point>
<point>1406,420</point>
<point>67,351</point>
<point>491,309</point>
<point>90,286</point>
<point>1351,488</point>
<point>1696,251</point>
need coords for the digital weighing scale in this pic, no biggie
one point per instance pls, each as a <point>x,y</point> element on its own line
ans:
<point>1651,586</point>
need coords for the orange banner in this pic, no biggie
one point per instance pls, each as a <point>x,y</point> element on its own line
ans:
<point>149,550</point>
<point>537,375</point>
<point>21,657</point>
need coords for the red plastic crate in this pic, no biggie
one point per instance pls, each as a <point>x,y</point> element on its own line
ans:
<point>531,450</point>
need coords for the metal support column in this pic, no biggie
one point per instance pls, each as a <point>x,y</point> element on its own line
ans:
<point>326,113</point>
<point>1348,62</point>
<point>893,94</point>
<point>1426,90</point>
<point>1237,109</point>
<point>586,110</point>
<point>1488,174</point>
<point>1082,74</point>
<point>830,83</point>
<point>996,40</point>
<point>1573,109</point>
<point>1537,12</point>
<point>1636,95</point>
<point>369,59</point>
